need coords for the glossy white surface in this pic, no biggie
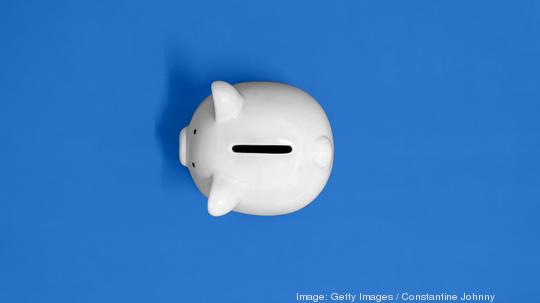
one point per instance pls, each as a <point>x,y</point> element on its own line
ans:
<point>258,113</point>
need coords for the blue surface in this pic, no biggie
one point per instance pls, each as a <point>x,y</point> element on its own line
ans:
<point>435,110</point>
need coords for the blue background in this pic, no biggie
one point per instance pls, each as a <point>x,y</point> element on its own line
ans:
<point>435,110</point>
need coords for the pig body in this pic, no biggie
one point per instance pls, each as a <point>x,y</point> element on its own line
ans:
<point>258,148</point>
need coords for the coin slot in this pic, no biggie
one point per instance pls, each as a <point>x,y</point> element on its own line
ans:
<point>262,149</point>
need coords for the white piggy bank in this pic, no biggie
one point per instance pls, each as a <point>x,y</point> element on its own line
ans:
<point>259,148</point>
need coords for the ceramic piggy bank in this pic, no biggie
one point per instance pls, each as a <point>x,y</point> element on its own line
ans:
<point>259,148</point>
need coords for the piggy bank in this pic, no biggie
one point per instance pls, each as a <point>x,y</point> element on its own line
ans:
<point>259,148</point>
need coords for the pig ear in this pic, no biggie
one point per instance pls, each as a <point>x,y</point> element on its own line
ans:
<point>228,101</point>
<point>223,197</point>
